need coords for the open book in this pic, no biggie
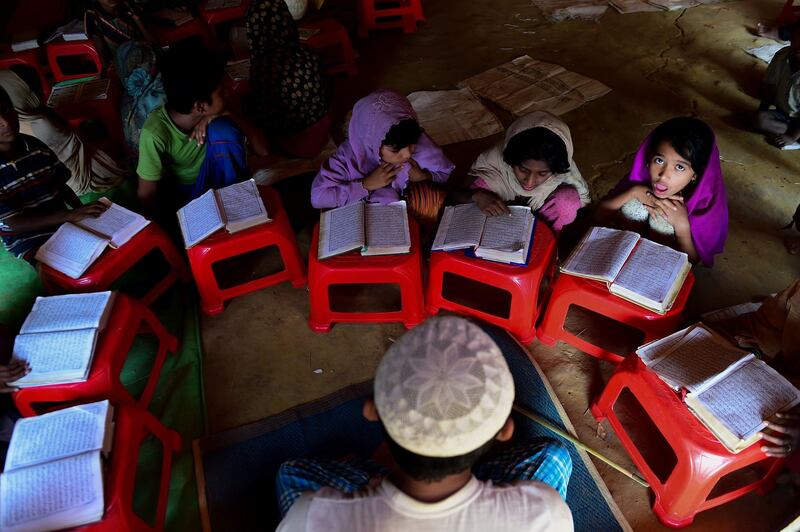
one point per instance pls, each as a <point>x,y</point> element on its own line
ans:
<point>730,391</point>
<point>74,30</point>
<point>375,229</point>
<point>53,475</point>
<point>235,208</point>
<point>58,338</point>
<point>639,270</point>
<point>172,16</point>
<point>498,238</point>
<point>86,91</point>
<point>74,247</point>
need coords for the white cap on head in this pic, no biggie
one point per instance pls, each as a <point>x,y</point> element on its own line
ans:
<point>443,389</point>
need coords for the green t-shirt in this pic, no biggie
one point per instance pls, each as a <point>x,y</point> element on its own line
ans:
<point>166,151</point>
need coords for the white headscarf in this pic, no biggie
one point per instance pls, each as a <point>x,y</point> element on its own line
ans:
<point>500,176</point>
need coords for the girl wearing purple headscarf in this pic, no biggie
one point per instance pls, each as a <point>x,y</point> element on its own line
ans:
<point>676,189</point>
<point>386,150</point>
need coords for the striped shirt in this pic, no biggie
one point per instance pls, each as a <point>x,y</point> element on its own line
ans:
<point>30,184</point>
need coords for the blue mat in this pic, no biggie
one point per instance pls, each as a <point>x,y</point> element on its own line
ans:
<point>236,469</point>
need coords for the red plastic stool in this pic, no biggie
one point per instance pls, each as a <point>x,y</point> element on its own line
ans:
<point>60,50</point>
<point>214,17</point>
<point>333,36</point>
<point>521,282</point>
<point>115,262</point>
<point>132,426</point>
<point>789,13</point>
<point>223,245</point>
<point>383,14</point>
<point>28,59</point>
<point>352,268</point>
<point>701,459</point>
<point>569,290</point>
<point>128,319</point>
<point>167,35</point>
<point>104,110</point>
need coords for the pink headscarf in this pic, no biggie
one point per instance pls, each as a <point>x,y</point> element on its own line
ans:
<point>708,205</point>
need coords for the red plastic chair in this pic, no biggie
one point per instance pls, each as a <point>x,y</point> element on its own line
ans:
<point>83,51</point>
<point>382,14</point>
<point>701,459</point>
<point>352,268</point>
<point>132,426</point>
<point>214,17</point>
<point>168,35</point>
<point>28,59</point>
<point>128,319</point>
<point>223,245</point>
<point>333,43</point>
<point>569,290</point>
<point>521,282</point>
<point>113,263</point>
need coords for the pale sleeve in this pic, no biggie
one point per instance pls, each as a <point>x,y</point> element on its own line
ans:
<point>336,185</point>
<point>296,518</point>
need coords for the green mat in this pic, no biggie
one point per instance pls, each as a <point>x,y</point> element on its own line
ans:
<point>178,401</point>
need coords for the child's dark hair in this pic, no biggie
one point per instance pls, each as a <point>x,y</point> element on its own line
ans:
<point>402,134</point>
<point>432,469</point>
<point>190,76</point>
<point>691,138</point>
<point>538,144</point>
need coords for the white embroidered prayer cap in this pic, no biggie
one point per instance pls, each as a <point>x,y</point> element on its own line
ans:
<point>443,389</point>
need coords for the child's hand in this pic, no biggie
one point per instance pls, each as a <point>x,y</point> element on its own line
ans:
<point>416,173</point>
<point>641,193</point>
<point>200,131</point>
<point>671,209</point>
<point>489,203</point>
<point>781,140</point>
<point>785,436</point>
<point>10,373</point>
<point>384,175</point>
<point>90,210</point>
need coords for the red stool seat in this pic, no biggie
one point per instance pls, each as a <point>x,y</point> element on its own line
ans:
<point>214,17</point>
<point>569,290</point>
<point>167,35</point>
<point>28,59</point>
<point>60,50</point>
<point>128,319</point>
<point>113,263</point>
<point>223,245</point>
<point>701,459</point>
<point>521,282</point>
<point>788,14</point>
<point>104,110</point>
<point>353,268</point>
<point>132,425</point>
<point>383,14</point>
<point>333,36</point>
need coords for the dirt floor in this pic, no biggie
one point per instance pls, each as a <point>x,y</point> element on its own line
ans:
<point>262,358</point>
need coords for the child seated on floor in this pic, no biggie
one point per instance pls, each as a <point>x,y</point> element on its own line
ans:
<point>33,189</point>
<point>675,192</point>
<point>386,150</point>
<point>779,112</point>
<point>443,396</point>
<point>192,144</point>
<point>112,23</point>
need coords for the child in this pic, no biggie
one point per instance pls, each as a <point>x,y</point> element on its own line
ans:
<point>386,149</point>
<point>675,186</point>
<point>112,23</point>
<point>33,190</point>
<point>443,395</point>
<point>187,146</point>
<point>533,162</point>
<point>781,124</point>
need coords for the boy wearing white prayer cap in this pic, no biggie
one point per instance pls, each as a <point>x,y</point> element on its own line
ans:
<point>443,394</point>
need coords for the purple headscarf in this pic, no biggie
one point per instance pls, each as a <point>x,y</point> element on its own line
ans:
<point>338,182</point>
<point>707,207</point>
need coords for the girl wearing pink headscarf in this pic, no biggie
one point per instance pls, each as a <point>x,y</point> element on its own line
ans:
<point>385,151</point>
<point>676,190</point>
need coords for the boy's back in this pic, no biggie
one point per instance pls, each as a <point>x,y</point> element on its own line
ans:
<point>167,152</point>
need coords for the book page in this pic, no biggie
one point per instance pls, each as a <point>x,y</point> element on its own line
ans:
<point>114,220</point>
<point>241,201</point>
<point>696,359</point>
<point>387,225</point>
<point>728,313</point>
<point>658,348</point>
<point>73,249</point>
<point>601,253</point>
<point>199,218</point>
<point>507,233</point>
<point>39,492</point>
<point>651,270</point>
<point>59,434</point>
<point>66,313</point>
<point>67,351</point>
<point>461,227</point>
<point>341,229</point>
<point>742,400</point>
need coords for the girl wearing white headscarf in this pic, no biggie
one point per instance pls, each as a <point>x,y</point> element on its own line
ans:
<point>533,162</point>
<point>92,170</point>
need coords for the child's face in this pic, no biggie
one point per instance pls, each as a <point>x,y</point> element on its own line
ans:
<point>394,156</point>
<point>532,173</point>
<point>216,106</point>
<point>9,125</point>
<point>670,172</point>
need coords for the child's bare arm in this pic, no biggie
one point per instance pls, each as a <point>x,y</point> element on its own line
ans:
<point>147,192</point>
<point>28,223</point>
